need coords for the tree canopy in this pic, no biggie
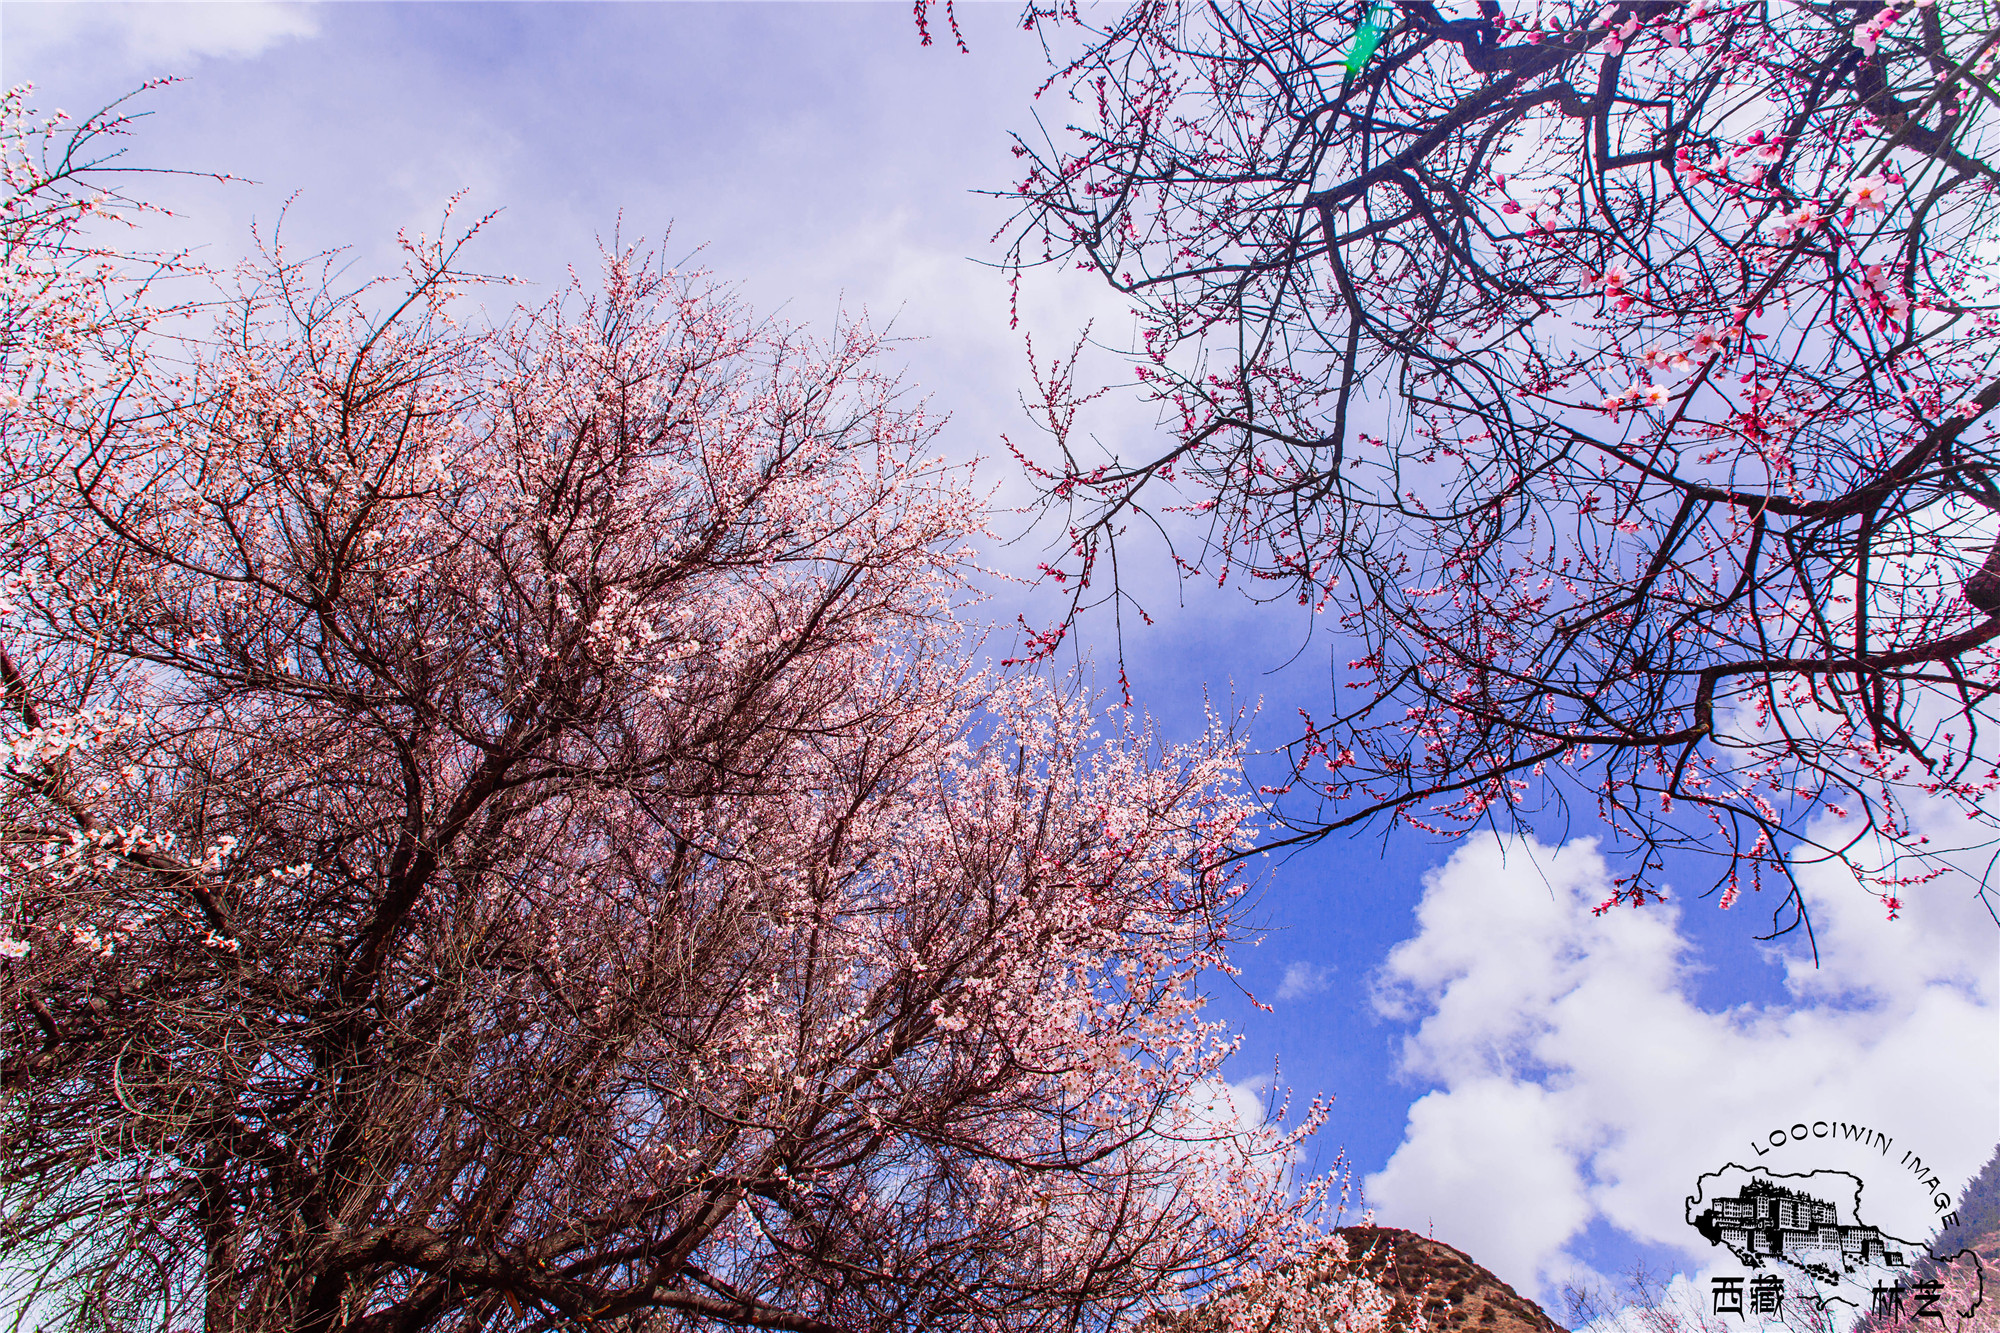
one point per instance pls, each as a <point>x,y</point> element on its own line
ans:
<point>502,830</point>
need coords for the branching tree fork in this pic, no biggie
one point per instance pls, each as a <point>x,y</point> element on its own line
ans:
<point>1619,377</point>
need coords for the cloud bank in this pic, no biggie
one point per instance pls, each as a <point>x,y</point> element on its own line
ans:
<point>1577,1083</point>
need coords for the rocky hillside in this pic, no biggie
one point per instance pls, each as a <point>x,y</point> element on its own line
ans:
<point>1436,1289</point>
<point>1454,1294</point>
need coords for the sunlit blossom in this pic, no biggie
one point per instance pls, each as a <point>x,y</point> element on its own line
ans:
<point>1868,194</point>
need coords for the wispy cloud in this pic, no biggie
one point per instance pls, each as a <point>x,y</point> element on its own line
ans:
<point>142,41</point>
<point>1303,980</point>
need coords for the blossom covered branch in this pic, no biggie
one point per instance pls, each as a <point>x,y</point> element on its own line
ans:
<point>1616,383</point>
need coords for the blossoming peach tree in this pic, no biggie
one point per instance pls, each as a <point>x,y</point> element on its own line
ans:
<point>501,832</point>
<point>1615,381</point>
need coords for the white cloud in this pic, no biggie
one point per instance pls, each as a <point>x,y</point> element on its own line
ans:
<point>1303,980</point>
<point>144,40</point>
<point>1223,1110</point>
<point>1222,1129</point>
<point>1577,1080</point>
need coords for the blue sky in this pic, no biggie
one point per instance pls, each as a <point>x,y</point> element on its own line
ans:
<point>1534,1085</point>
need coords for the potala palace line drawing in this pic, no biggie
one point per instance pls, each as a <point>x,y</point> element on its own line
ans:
<point>1766,1221</point>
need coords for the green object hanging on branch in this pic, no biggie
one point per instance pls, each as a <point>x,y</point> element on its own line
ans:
<point>1367,37</point>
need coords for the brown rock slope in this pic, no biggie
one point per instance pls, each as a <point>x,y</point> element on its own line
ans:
<point>1453,1294</point>
<point>1436,1289</point>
